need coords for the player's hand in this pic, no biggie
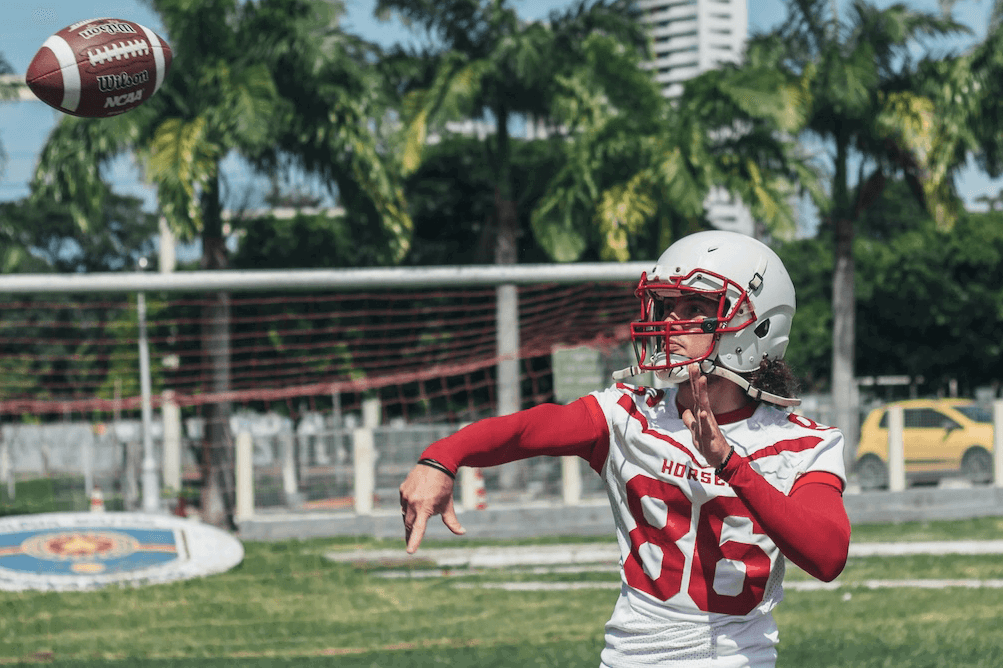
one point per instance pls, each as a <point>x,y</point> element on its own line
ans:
<point>425,492</point>
<point>707,436</point>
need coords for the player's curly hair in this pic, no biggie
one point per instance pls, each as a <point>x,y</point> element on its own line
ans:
<point>776,377</point>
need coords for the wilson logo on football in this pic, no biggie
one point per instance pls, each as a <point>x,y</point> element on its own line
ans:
<point>111,82</point>
<point>108,28</point>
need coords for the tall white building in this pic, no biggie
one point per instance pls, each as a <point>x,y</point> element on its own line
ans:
<point>690,37</point>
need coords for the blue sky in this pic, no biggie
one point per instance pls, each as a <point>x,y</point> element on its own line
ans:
<point>26,24</point>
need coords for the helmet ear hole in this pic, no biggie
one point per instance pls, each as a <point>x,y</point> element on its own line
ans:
<point>763,329</point>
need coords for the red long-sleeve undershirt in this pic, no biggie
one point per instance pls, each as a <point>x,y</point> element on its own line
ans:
<point>809,526</point>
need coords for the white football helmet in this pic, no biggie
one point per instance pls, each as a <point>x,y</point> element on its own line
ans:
<point>748,283</point>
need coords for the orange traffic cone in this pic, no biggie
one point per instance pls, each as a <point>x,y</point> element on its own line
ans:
<point>480,493</point>
<point>97,500</point>
<point>181,507</point>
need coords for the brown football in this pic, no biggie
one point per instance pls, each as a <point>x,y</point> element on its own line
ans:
<point>99,67</point>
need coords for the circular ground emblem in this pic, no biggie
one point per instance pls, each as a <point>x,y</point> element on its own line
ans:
<point>79,551</point>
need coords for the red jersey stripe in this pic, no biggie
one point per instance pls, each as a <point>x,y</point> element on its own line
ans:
<point>818,477</point>
<point>792,445</point>
<point>628,405</point>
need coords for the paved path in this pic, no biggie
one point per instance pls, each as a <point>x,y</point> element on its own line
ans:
<point>603,557</point>
<point>789,585</point>
<point>607,552</point>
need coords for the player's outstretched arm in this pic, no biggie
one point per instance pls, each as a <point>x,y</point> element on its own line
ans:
<point>426,492</point>
<point>548,429</point>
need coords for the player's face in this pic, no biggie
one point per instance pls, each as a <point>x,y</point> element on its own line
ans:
<point>684,313</point>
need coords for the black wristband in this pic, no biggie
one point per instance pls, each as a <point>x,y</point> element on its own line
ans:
<point>727,458</point>
<point>426,461</point>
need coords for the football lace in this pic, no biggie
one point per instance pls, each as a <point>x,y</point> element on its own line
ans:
<point>118,51</point>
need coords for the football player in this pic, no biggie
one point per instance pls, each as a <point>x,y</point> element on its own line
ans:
<point>713,481</point>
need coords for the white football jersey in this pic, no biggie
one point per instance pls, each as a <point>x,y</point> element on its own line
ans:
<point>699,576</point>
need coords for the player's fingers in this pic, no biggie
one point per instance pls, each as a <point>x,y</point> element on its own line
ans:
<point>416,532</point>
<point>693,371</point>
<point>698,383</point>
<point>408,523</point>
<point>692,422</point>
<point>688,418</point>
<point>694,374</point>
<point>451,521</point>
<point>708,419</point>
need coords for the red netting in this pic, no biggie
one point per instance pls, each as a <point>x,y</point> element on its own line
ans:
<point>428,354</point>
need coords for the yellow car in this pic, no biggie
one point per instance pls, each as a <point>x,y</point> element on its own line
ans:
<point>942,437</point>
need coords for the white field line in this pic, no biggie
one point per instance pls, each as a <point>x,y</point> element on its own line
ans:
<point>790,586</point>
<point>603,558</point>
<point>487,557</point>
<point>814,585</point>
<point>936,547</point>
<point>609,553</point>
<point>537,570</point>
<point>537,586</point>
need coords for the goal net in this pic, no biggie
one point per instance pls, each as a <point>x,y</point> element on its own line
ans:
<point>428,355</point>
<point>299,369</point>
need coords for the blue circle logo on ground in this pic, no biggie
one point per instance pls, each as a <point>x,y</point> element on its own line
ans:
<point>78,551</point>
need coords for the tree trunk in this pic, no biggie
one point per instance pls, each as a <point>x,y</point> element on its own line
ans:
<point>506,253</point>
<point>506,296</point>
<point>506,217</point>
<point>843,308</point>
<point>843,340</point>
<point>217,457</point>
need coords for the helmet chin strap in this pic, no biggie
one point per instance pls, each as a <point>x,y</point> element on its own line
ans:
<point>754,392</point>
<point>623,374</point>
<point>674,375</point>
<point>678,375</point>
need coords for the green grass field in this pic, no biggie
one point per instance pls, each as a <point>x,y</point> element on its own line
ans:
<point>286,605</point>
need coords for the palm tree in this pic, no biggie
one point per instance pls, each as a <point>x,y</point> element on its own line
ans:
<point>980,84</point>
<point>229,90</point>
<point>638,173</point>
<point>862,102</point>
<point>492,65</point>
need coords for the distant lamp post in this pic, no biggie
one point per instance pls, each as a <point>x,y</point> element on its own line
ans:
<point>150,483</point>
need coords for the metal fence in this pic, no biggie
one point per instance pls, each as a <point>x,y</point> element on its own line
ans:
<point>313,465</point>
<point>303,466</point>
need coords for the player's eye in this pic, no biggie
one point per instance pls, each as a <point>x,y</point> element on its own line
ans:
<point>696,310</point>
<point>661,308</point>
<point>694,307</point>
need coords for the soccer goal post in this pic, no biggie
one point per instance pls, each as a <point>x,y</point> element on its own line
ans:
<point>434,345</point>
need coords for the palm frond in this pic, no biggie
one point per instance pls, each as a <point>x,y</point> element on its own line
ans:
<point>623,210</point>
<point>456,84</point>
<point>181,160</point>
<point>252,105</point>
<point>70,167</point>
